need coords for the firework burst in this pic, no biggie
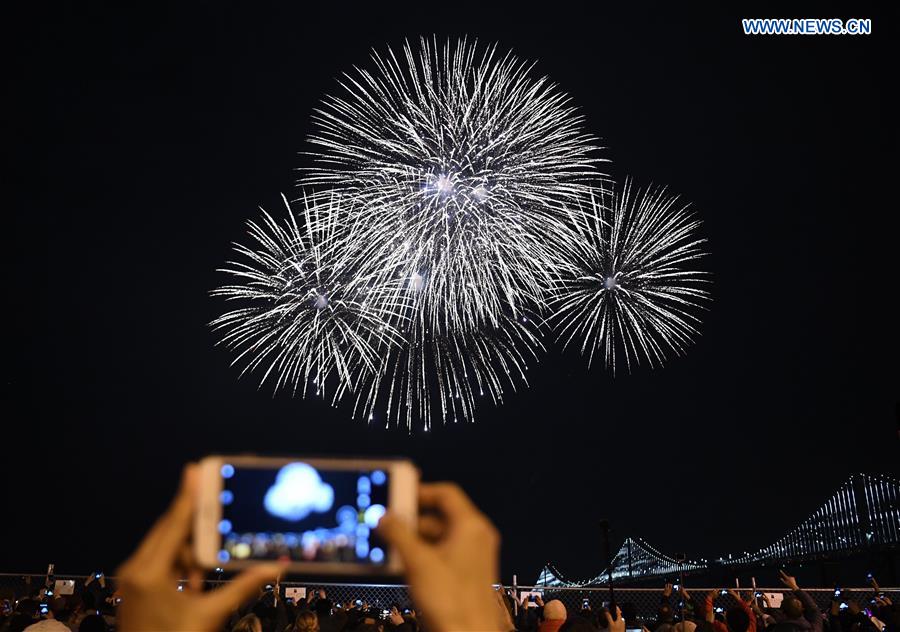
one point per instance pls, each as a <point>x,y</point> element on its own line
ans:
<point>461,164</point>
<point>307,317</point>
<point>633,286</point>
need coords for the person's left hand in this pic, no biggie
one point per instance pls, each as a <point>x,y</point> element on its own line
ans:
<point>148,580</point>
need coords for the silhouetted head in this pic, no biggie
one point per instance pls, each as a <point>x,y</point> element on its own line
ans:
<point>664,614</point>
<point>249,623</point>
<point>577,624</point>
<point>306,621</point>
<point>93,623</point>
<point>737,619</point>
<point>27,606</point>
<point>323,608</point>
<point>792,607</point>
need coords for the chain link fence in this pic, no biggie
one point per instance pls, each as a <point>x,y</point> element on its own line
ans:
<point>639,603</point>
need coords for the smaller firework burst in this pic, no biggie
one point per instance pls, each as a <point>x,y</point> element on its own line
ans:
<point>307,318</point>
<point>634,287</point>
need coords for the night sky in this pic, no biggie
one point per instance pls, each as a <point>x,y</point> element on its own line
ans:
<point>143,139</point>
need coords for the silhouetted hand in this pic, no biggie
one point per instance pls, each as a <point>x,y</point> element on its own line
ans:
<point>667,590</point>
<point>148,580</point>
<point>396,617</point>
<point>451,559</point>
<point>788,581</point>
<point>617,625</point>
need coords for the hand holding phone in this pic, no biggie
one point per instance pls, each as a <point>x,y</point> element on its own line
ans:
<point>150,598</point>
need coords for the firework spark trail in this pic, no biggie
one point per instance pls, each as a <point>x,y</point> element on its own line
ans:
<point>633,286</point>
<point>306,314</point>
<point>462,165</point>
<point>439,377</point>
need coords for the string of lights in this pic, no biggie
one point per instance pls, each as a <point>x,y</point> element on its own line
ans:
<point>838,526</point>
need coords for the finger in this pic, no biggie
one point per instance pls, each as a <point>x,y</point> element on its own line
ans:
<point>165,536</point>
<point>222,602</point>
<point>184,560</point>
<point>178,519</point>
<point>447,498</point>
<point>195,578</point>
<point>431,528</point>
<point>412,550</point>
<point>609,619</point>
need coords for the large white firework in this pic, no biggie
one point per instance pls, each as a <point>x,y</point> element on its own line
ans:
<point>306,318</point>
<point>634,287</point>
<point>461,162</point>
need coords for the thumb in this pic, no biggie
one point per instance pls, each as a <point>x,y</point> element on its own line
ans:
<point>241,588</point>
<point>404,540</point>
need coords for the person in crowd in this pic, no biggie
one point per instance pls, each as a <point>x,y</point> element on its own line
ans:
<point>248,623</point>
<point>57,618</point>
<point>306,621</point>
<point>665,615</point>
<point>554,616</point>
<point>739,618</point>
<point>798,608</point>
<point>93,623</point>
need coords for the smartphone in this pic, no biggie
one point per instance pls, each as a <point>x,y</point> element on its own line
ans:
<point>289,600</point>
<point>719,609</point>
<point>723,592</point>
<point>319,514</point>
<point>98,575</point>
<point>585,604</point>
<point>843,605</point>
<point>869,577</point>
<point>676,587</point>
<point>837,593</point>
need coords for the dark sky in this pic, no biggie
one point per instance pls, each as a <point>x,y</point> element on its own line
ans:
<point>143,139</point>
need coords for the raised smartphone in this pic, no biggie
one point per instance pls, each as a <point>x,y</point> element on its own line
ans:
<point>319,514</point>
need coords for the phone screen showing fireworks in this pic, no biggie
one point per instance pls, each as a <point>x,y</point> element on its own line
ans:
<point>300,513</point>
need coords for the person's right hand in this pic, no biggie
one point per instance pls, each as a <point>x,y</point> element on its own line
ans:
<point>617,625</point>
<point>667,590</point>
<point>450,561</point>
<point>395,617</point>
<point>788,581</point>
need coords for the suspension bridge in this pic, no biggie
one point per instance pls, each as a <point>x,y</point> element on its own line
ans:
<point>862,515</point>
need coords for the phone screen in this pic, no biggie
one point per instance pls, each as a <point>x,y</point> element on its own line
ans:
<point>301,513</point>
